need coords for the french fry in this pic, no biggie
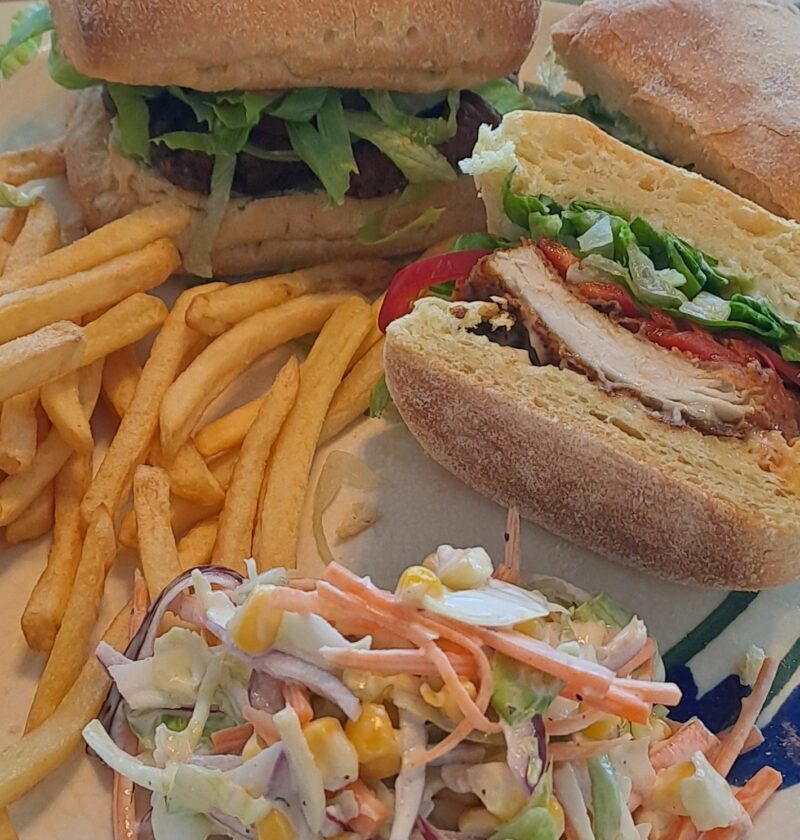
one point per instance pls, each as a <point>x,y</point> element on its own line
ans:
<point>13,220</point>
<point>216,312</point>
<point>35,521</point>
<point>131,443</point>
<point>7,830</point>
<point>231,354</point>
<point>121,374</point>
<point>286,480</point>
<point>227,431</point>
<point>46,354</point>
<point>238,517</point>
<point>185,515</point>
<point>371,338</point>
<point>40,235</point>
<point>196,545</point>
<point>5,252</point>
<point>189,475</point>
<point>61,401</point>
<point>18,491</point>
<point>43,161</point>
<point>18,427</point>
<point>127,235</point>
<point>123,325</point>
<point>71,297</point>
<point>157,549</point>
<point>45,608</point>
<point>70,646</point>
<point>38,753</point>
<point>352,397</point>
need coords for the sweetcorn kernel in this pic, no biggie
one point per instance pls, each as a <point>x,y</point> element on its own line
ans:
<point>666,794</point>
<point>256,623</point>
<point>333,753</point>
<point>375,740</point>
<point>603,729</point>
<point>275,826</point>
<point>416,582</point>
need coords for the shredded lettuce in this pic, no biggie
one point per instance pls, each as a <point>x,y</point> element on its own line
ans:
<point>603,608</point>
<point>186,787</point>
<point>133,121</point>
<point>301,105</point>
<point>27,28</point>
<point>417,162</point>
<point>62,72</point>
<point>606,805</point>
<point>12,197</point>
<point>372,233</point>
<point>176,824</point>
<point>379,399</point>
<point>531,824</point>
<point>424,130</point>
<point>504,96</point>
<point>521,692</point>
<point>326,149</point>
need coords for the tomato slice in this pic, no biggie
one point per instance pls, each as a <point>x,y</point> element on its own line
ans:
<point>407,284</point>
<point>609,293</point>
<point>559,256</point>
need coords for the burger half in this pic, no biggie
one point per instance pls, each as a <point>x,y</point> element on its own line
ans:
<point>296,132</point>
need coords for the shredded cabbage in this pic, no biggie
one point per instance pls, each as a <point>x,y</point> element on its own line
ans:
<point>11,197</point>
<point>708,798</point>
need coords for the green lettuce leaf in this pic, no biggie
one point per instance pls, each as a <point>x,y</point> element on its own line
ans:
<point>485,241</point>
<point>419,163</point>
<point>521,692</point>
<point>424,130</point>
<point>374,230</point>
<point>326,149</point>
<point>504,96</point>
<point>300,105</point>
<point>133,121</point>
<point>27,28</point>
<point>379,399</point>
<point>62,72</point>
<point>790,352</point>
<point>12,197</point>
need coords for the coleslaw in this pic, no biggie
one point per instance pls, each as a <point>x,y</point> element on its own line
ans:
<point>460,706</point>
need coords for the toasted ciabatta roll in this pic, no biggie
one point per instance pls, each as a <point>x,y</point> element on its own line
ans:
<point>713,84</point>
<point>641,453</point>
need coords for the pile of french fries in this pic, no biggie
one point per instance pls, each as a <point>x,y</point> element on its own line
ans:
<point>179,491</point>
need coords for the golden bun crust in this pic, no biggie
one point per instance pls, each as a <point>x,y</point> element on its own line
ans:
<point>569,158</point>
<point>415,46</point>
<point>257,234</point>
<point>593,468</point>
<point>713,84</point>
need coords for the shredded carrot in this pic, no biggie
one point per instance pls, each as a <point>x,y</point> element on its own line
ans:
<point>644,656</point>
<point>591,679</point>
<point>571,751</point>
<point>444,746</point>
<point>394,661</point>
<point>294,600</point>
<point>262,725</point>
<point>732,744</point>
<point>421,630</point>
<point>668,694</point>
<point>296,696</point>
<point>617,701</point>
<point>681,746</point>
<point>372,811</point>
<point>232,739</point>
<point>753,796</point>
<point>508,570</point>
<point>574,723</point>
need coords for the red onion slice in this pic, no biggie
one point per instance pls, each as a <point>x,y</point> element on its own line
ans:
<point>526,751</point>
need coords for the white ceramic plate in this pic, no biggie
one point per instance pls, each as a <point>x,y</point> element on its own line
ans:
<point>421,506</point>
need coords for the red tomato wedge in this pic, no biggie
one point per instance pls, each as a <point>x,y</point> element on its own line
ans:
<point>559,256</point>
<point>407,284</point>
